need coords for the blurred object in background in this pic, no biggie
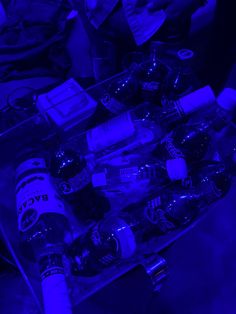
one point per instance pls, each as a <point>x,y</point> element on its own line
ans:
<point>104,60</point>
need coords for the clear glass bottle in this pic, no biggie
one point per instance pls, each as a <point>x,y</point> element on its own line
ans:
<point>143,125</point>
<point>121,94</point>
<point>153,74</point>
<point>182,79</point>
<point>116,237</point>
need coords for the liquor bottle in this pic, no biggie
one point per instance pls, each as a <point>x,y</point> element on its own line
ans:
<point>191,140</point>
<point>182,79</point>
<point>153,74</point>
<point>105,243</point>
<point>72,177</point>
<point>143,125</point>
<point>116,237</point>
<point>155,172</point>
<point>42,223</point>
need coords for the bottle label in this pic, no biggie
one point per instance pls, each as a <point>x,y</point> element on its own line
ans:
<point>112,104</point>
<point>54,287</point>
<point>110,133</point>
<point>35,195</point>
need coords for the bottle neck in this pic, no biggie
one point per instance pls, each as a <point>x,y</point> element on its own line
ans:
<point>155,55</point>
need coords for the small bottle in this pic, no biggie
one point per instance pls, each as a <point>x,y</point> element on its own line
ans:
<point>143,125</point>
<point>72,176</point>
<point>109,176</point>
<point>154,172</point>
<point>153,74</point>
<point>182,79</point>
<point>42,224</point>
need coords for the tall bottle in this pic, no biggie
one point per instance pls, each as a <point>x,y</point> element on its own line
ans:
<point>153,74</point>
<point>116,237</point>
<point>72,176</point>
<point>143,125</point>
<point>182,79</point>
<point>42,223</point>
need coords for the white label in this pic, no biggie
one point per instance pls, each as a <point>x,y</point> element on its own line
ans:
<point>110,133</point>
<point>55,295</point>
<point>112,104</point>
<point>35,195</point>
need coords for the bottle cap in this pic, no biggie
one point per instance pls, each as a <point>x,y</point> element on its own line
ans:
<point>227,99</point>
<point>177,169</point>
<point>198,99</point>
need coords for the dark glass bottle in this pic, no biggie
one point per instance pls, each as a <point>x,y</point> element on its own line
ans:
<point>72,175</point>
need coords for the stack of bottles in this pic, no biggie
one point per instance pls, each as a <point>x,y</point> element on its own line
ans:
<point>152,168</point>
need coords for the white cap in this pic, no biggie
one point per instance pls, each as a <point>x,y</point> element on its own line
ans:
<point>99,179</point>
<point>200,98</point>
<point>227,99</point>
<point>177,169</point>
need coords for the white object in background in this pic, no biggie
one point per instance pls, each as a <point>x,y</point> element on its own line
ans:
<point>67,104</point>
<point>227,99</point>
<point>3,17</point>
<point>203,17</point>
<point>143,24</point>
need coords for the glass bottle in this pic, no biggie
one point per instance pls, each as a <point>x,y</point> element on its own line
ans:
<point>182,79</point>
<point>42,224</point>
<point>72,177</point>
<point>143,125</point>
<point>153,74</point>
